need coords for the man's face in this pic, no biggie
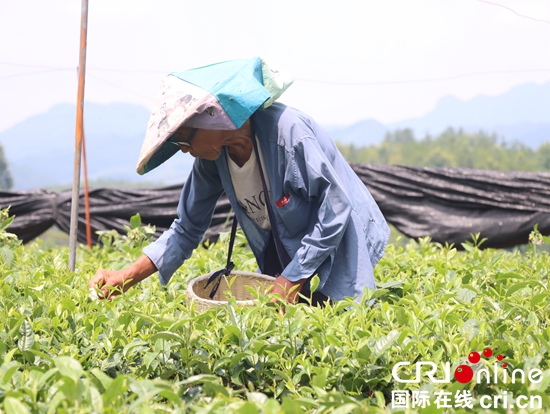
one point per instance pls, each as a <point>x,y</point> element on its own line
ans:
<point>206,144</point>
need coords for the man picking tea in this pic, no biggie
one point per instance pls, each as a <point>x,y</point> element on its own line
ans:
<point>301,207</point>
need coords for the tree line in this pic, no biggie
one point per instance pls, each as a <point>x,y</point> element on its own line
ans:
<point>6,180</point>
<point>452,148</point>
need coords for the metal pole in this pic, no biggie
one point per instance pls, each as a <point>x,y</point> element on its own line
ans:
<point>86,193</point>
<point>86,189</point>
<point>78,137</point>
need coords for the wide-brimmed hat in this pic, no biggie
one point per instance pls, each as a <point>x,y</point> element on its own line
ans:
<point>219,96</point>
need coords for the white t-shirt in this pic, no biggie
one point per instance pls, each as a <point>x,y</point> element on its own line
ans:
<point>249,190</point>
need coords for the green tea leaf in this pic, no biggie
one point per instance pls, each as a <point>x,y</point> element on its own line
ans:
<point>69,367</point>
<point>166,335</point>
<point>466,295</point>
<point>9,371</point>
<point>118,387</point>
<point>384,343</point>
<point>517,286</point>
<point>541,297</point>
<point>14,406</point>
<point>470,329</point>
<point>135,344</point>
<point>345,408</point>
<point>95,400</point>
<point>314,283</point>
<point>542,386</point>
<point>26,341</point>
<point>391,284</point>
<point>509,275</point>
<point>104,379</point>
<point>320,380</point>
<point>6,255</point>
<point>380,400</point>
<point>149,357</point>
<point>135,221</point>
<point>5,223</point>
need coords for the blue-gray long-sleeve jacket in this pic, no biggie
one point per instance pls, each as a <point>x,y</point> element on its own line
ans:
<point>330,225</point>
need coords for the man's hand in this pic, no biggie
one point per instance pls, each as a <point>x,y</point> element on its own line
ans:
<point>114,282</point>
<point>286,289</point>
<point>110,282</point>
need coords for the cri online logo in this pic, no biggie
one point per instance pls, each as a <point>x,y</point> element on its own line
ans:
<point>464,373</point>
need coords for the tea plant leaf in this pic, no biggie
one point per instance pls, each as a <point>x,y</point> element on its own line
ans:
<point>5,223</point>
<point>256,397</point>
<point>466,295</point>
<point>470,329</point>
<point>510,275</point>
<point>518,286</point>
<point>14,406</point>
<point>364,353</point>
<point>291,407</point>
<point>95,400</point>
<point>69,367</point>
<point>170,396</point>
<point>384,343</point>
<point>380,400</point>
<point>149,358</point>
<point>46,377</point>
<point>199,379</point>
<point>104,379</point>
<point>27,336</point>
<point>344,409</point>
<point>145,389</point>
<point>212,389</point>
<point>166,335</point>
<point>135,344</point>
<point>540,298</point>
<point>333,340</point>
<point>542,386</point>
<point>320,380</point>
<point>135,221</point>
<point>118,387</point>
<point>9,371</point>
<point>314,283</point>
<point>391,284</point>
<point>142,352</point>
<point>6,255</point>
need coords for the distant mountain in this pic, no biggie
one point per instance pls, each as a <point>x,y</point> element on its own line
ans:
<point>40,150</point>
<point>521,114</point>
<point>368,132</point>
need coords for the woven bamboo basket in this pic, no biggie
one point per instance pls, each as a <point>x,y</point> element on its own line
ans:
<point>197,294</point>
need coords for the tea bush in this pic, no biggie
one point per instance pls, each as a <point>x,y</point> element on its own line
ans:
<point>148,350</point>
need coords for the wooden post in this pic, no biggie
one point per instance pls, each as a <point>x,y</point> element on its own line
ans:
<point>73,228</point>
<point>86,193</point>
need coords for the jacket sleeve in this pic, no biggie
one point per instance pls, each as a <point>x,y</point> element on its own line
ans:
<point>310,175</point>
<point>196,206</point>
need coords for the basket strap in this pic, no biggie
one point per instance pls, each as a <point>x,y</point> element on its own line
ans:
<point>284,258</point>
<point>229,266</point>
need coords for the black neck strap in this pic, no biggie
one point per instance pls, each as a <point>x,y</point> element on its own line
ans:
<point>229,266</point>
<point>284,258</point>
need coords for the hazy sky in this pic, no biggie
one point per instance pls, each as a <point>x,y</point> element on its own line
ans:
<point>352,60</point>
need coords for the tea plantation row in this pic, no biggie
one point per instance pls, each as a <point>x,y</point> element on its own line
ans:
<point>150,351</point>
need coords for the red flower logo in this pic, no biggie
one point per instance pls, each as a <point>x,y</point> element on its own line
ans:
<point>464,373</point>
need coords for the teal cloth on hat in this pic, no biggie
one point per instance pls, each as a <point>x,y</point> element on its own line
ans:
<point>218,96</point>
<point>237,84</point>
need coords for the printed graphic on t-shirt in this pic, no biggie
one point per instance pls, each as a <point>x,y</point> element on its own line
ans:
<point>249,190</point>
<point>255,208</point>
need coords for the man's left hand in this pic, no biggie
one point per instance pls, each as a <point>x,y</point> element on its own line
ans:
<point>286,289</point>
